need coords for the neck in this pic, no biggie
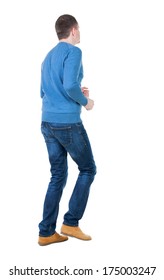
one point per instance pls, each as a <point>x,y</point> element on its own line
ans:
<point>67,40</point>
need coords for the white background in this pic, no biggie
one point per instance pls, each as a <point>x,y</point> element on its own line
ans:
<point>123,56</point>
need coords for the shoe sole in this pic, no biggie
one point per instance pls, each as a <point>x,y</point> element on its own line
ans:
<point>45,244</point>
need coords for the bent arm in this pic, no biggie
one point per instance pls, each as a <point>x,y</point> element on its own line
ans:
<point>72,68</point>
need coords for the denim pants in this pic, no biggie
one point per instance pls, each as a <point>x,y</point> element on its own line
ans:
<point>62,139</point>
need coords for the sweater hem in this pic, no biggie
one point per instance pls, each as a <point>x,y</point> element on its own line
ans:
<point>61,117</point>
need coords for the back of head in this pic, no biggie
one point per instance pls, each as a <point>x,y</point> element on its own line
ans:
<point>63,26</point>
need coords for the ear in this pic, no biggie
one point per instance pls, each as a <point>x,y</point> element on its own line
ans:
<point>73,31</point>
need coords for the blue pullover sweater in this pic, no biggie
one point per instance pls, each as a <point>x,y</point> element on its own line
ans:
<point>61,76</point>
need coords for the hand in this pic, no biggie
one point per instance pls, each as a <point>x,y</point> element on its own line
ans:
<point>85,91</point>
<point>90,104</point>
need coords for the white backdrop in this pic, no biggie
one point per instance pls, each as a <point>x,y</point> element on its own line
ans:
<point>122,43</point>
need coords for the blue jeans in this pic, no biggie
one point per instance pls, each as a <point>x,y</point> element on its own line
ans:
<point>60,140</point>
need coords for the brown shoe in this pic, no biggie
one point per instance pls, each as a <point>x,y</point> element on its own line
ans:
<point>74,232</point>
<point>42,241</point>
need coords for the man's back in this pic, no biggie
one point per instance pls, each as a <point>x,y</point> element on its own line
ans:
<point>60,84</point>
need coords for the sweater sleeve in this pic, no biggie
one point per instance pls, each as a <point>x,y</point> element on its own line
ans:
<point>72,67</point>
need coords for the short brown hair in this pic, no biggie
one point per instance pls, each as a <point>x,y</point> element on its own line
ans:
<point>63,26</point>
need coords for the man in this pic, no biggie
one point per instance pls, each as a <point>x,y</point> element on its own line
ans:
<point>63,131</point>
